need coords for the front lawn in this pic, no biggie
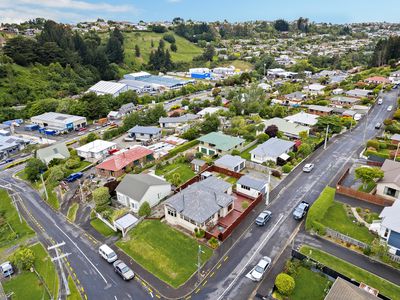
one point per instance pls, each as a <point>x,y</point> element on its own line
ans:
<point>12,230</point>
<point>246,153</point>
<point>309,285</point>
<point>385,287</point>
<point>167,253</point>
<point>72,210</point>
<point>102,228</point>
<point>368,188</point>
<point>337,219</point>
<point>184,170</point>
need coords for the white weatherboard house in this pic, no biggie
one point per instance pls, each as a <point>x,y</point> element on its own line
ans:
<point>251,186</point>
<point>47,154</point>
<point>135,189</point>
<point>145,133</point>
<point>95,150</point>
<point>231,162</point>
<point>315,89</point>
<point>272,150</point>
<point>303,118</point>
<point>389,185</point>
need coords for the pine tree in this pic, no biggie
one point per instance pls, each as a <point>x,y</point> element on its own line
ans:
<point>137,51</point>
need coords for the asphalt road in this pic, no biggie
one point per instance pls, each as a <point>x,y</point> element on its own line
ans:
<point>96,276</point>
<point>229,282</point>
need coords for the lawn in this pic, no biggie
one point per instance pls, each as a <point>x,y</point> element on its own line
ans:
<point>167,253</point>
<point>246,153</point>
<point>309,285</point>
<point>186,49</point>
<point>337,219</point>
<point>385,287</point>
<point>102,228</point>
<point>75,295</point>
<point>368,188</point>
<point>184,170</point>
<point>53,199</point>
<point>27,285</point>
<point>239,64</point>
<point>71,215</point>
<point>12,230</point>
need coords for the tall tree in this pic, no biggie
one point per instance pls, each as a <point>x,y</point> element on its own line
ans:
<point>115,50</point>
<point>137,51</point>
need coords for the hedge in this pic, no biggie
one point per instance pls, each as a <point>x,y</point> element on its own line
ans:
<point>181,148</point>
<point>318,210</point>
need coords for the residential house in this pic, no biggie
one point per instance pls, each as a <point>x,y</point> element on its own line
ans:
<point>251,186</point>
<point>180,124</point>
<point>135,189</point>
<point>200,205</point>
<point>389,185</point>
<point>210,110</point>
<point>114,115</point>
<point>231,162</point>
<point>315,89</point>
<point>145,133</point>
<point>389,229</point>
<point>117,164</point>
<point>303,118</point>
<point>377,80</point>
<point>47,154</point>
<point>198,165</point>
<point>289,129</point>
<point>293,99</point>
<point>337,91</point>
<point>395,77</point>
<point>272,149</point>
<point>320,110</point>
<point>344,290</point>
<point>395,138</point>
<point>219,143</point>
<point>126,109</point>
<point>96,150</point>
<point>359,93</point>
<point>342,100</point>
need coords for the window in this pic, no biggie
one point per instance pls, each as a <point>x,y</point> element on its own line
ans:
<point>134,204</point>
<point>391,192</point>
<point>171,212</point>
<point>245,187</point>
<point>230,206</point>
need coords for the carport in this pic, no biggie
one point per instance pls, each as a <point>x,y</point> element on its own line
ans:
<point>125,223</point>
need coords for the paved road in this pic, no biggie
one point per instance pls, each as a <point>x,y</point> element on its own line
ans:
<point>229,282</point>
<point>95,274</point>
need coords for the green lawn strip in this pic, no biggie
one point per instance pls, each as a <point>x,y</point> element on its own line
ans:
<point>184,170</point>
<point>102,228</point>
<point>167,253</point>
<point>12,230</point>
<point>53,199</point>
<point>309,285</point>
<point>231,180</point>
<point>71,215</point>
<point>75,295</point>
<point>369,187</point>
<point>337,219</point>
<point>246,153</point>
<point>385,287</point>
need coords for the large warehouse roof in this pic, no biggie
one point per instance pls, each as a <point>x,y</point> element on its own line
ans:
<point>107,87</point>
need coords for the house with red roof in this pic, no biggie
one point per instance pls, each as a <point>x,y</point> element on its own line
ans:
<point>118,163</point>
<point>377,80</point>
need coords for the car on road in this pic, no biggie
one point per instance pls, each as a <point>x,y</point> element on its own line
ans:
<point>263,218</point>
<point>389,108</point>
<point>380,101</point>
<point>128,139</point>
<point>308,168</point>
<point>74,176</point>
<point>107,253</point>
<point>257,273</point>
<point>8,160</point>
<point>301,210</point>
<point>92,129</point>
<point>378,125</point>
<point>123,270</point>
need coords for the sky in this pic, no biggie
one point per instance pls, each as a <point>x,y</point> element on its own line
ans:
<point>73,11</point>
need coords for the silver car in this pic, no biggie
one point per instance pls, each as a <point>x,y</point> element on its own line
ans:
<point>308,168</point>
<point>123,270</point>
<point>259,270</point>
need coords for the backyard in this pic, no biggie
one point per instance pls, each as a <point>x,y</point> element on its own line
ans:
<point>246,153</point>
<point>309,285</point>
<point>183,169</point>
<point>167,253</point>
<point>385,287</point>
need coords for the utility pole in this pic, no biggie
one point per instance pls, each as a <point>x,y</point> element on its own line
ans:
<point>366,124</point>
<point>326,136</point>
<point>199,263</point>
<point>44,185</point>
<point>268,188</point>
<point>58,259</point>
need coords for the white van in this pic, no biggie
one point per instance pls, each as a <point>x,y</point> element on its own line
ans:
<point>380,101</point>
<point>107,253</point>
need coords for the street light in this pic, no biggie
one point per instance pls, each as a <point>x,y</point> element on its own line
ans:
<point>326,136</point>
<point>268,188</point>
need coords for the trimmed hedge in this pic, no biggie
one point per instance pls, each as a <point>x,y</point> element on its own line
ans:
<point>318,210</point>
<point>181,148</point>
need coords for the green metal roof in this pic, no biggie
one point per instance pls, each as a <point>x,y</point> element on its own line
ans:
<point>221,141</point>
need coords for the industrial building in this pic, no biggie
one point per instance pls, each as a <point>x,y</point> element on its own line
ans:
<point>59,122</point>
<point>108,88</point>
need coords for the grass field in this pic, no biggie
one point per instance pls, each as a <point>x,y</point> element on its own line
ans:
<point>12,230</point>
<point>337,219</point>
<point>309,285</point>
<point>71,215</point>
<point>27,285</point>
<point>385,287</point>
<point>184,170</point>
<point>75,295</point>
<point>102,228</point>
<point>186,49</point>
<point>239,64</point>
<point>246,153</point>
<point>167,253</point>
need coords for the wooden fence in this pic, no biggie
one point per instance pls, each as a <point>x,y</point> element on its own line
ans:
<point>375,199</point>
<point>340,236</point>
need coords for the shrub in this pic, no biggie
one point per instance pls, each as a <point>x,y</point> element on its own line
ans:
<point>213,242</point>
<point>145,209</point>
<point>24,258</point>
<point>287,168</point>
<point>285,284</point>
<point>276,173</point>
<point>199,233</point>
<point>235,152</point>
<point>292,266</point>
<point>383,146</point>
<point>318,209</point>
<point>245,204</point>
<point>73,163</point>
<point>373,144</point>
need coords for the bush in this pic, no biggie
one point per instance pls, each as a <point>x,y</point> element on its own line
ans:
<point>287,168</point>
<point>276,173</point>
<point>373,144</point>
<point>24,258</point>
<point>285,284</point>
<point>169,38</point>
<point>73,163</point>
<point>235,152</point>
<point>213,242</point>
<point>318,209</point>
<point>292,266</point>
<point>199,233</point>
<point>383,146</point>
<point>145,209</point>
<point>245,204</point>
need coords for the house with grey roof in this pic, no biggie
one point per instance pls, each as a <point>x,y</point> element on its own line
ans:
<point>219,143</point>
<point>389,227</point>
<point>272,149</point>
<point>289,129</point>
<point>320,110</point>
<point>344,290</point>
<point>51,152</point>
<point>251,186</point>
<point>11,144</point>
<point>359,93</point>
<point>231,162</point>
<point>343,100</point>
<point>145,133</point>
<point>135,189</point>
<point>200,205</point>
<point>173,122</point>
<point>126,109</point>
<point>303,118</point>
<point>389,185</point>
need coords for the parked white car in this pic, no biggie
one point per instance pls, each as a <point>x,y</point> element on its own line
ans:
<point>308,168</point>
<point>257,273</point>
<point>389,108</point>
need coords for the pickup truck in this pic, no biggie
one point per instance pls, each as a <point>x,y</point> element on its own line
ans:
<point>301,210</point>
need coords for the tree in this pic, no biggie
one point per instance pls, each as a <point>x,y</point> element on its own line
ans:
<point>168,37</point>
<point>209,53</point>
<point>367,175</point>
<point>176,179</point>
<point>56,174</point>
<point>262,137</point>
<point>101,197</point>
<point>115,50</point>
<point>145,209</point>
<point>272,130</point>
<point>305,149</point>
<point>23,258</point>
<point>281,25</point>
<point>210,124</point>
<point>137,51</point>
<point>34,167</point>
<point>285,284</point>
<point>173,47</point>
